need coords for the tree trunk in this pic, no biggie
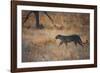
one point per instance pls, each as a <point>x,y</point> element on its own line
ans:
<point>37,19</point>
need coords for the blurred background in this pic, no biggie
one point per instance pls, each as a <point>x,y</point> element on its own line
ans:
<point>40,28</point>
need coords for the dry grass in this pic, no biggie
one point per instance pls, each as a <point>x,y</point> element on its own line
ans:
<point>41,45</point>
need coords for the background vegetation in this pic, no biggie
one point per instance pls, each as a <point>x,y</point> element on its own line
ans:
<point>41,45</point>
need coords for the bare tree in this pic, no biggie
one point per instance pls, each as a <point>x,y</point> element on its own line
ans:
<point>37,16</point>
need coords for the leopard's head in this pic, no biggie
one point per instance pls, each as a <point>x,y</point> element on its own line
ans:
<point>58,36</point>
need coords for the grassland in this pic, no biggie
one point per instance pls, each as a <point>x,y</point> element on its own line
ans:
<point>41,45</point>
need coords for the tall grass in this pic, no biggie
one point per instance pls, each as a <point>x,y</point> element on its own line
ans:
<point>41,45</point>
